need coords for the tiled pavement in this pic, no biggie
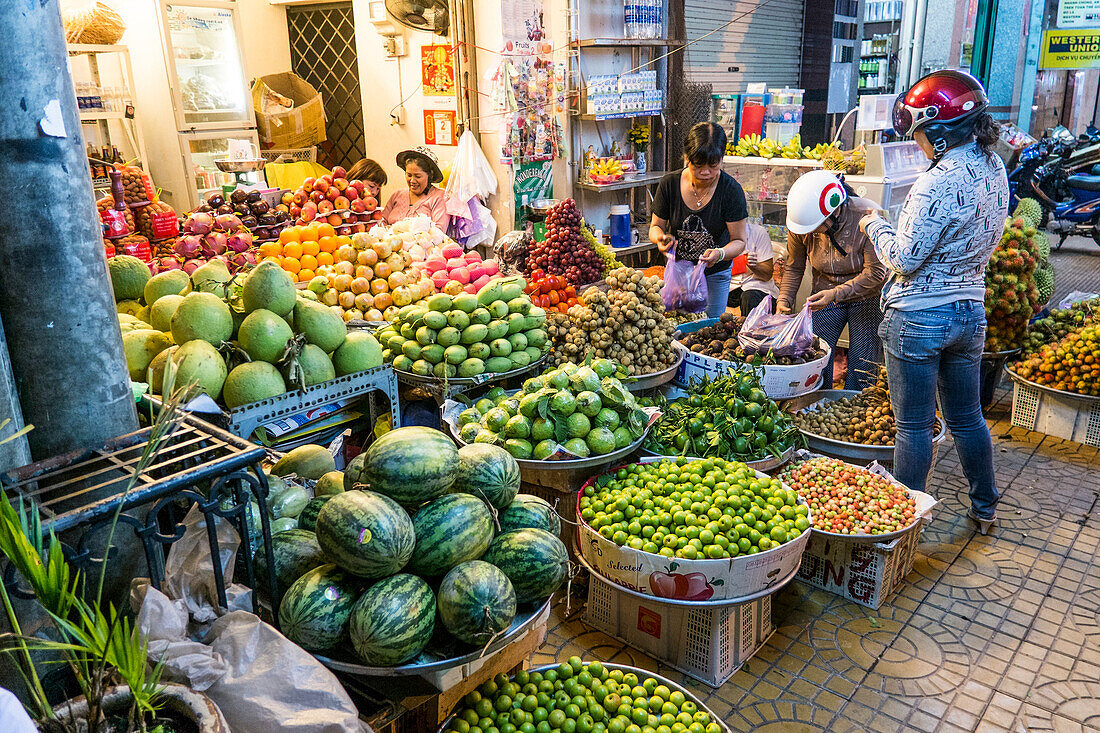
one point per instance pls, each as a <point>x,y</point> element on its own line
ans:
<point>996,633</point>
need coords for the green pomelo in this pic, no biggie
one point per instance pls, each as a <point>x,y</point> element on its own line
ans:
<point>315,365</point>
<point>320,324</point>
<point>252,382</point>
<point>211,278</point>
<point>141,347</point>
<point>269,286</point>
<point>305,461</point>
<point>264,335</point>
<point>154,375</point>
<point>161,312</point>
<point>202,316</point>
<point>199,363</point>
<point>128,307</point>
<point>170,282</point>
<point>128,277</point>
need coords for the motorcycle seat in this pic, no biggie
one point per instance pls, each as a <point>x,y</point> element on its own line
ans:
<point>1085,183</point>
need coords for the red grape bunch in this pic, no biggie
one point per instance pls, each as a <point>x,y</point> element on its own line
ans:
<point>565,251</point>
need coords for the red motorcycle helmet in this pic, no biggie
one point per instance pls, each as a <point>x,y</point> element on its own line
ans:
<point>945,104</point>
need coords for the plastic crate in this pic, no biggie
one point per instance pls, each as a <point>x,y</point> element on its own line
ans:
<point>779,381</point>
<point>1055,414</point>
<point>864,572</point>
<point>291,155</point>
<point>706,642</point>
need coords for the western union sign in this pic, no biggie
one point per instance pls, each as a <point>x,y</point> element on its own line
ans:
<point>1079,49</point>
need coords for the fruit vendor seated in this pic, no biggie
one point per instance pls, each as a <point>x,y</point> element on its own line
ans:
<point>421,196</point>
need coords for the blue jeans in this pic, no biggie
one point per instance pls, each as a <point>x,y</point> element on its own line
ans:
<point>939,349</point>
<point>864,348</point>
<point>718,291</point>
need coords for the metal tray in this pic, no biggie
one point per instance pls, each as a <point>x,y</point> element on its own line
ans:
<point>656,379</point>
<point>434,658</point>
<point>440,383</point>
<point>642,674</point>
<point>1051,390</point>
<point>842,448</point>
<point>764,465</point>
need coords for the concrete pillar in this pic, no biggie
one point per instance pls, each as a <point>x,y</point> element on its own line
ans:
<point>13,453</point>
<point>55,298</point>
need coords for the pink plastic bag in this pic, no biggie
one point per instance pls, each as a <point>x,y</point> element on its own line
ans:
<point>765,332</point>
<point>685,285</point>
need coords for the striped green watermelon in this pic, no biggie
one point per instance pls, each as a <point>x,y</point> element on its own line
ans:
<point>530,512</point>
<point>366,533</point>
<point>476,602</point>
<point>533,559</point>
<point>308,518</point>
<point>452,529</point>
<point>393,620</point>
<point>410,465</point>
<point>296,552</point>
<point>314,612</point>
<point>489,472</point>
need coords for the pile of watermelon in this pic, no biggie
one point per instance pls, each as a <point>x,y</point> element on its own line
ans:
<point>426,541</point>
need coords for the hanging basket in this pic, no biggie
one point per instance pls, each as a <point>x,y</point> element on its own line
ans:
<point>93,23</point>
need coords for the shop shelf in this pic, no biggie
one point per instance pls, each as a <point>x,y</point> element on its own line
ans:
<point>79,48</point>
<point>644,179</point>
<point>598,42</point>
<point>621,115</point>
<point>93,115</point>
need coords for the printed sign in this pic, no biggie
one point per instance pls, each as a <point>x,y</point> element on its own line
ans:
<point>439,127</point>
<point>1079,13</point>
<point>534,181</point>
<point>437,71</point>
<point>1070,49</point>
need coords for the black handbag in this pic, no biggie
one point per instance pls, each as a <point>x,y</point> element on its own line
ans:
<point>692,239</point>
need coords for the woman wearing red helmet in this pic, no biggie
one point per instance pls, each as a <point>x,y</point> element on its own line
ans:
<point>933,328</point>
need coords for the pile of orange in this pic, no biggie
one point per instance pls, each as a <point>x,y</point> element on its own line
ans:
<point>301,250</point>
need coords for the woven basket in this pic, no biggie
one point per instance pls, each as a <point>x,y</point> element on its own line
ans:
<point>93,23</point>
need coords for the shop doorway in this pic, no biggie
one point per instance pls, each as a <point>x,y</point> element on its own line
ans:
<point>322,51</point>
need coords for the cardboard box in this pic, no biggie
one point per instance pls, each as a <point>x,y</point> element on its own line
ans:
<point>301,126</point>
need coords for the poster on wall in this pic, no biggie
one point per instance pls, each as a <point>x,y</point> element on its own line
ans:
<point>1079,14</point>
<point>521,22</point>
<point>439,127</point>
<point>533,181</point>
<point>1070,50</point>
<point>437,71</point>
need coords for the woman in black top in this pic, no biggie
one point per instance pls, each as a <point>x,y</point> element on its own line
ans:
<point>702,192</point>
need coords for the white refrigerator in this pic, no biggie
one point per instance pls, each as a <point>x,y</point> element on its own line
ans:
<point>211,100</point>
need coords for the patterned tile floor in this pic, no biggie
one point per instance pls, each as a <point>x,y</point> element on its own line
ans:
<point>995,633</point>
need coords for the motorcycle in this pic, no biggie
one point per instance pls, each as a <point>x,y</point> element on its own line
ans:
<point>1063,174</point>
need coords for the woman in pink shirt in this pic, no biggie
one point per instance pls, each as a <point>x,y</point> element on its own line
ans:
<point>421,196</point>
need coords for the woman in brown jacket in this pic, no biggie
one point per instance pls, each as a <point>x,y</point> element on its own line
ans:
<point>823,227</point>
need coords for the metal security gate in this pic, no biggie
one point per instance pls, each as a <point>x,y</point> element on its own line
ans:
<point>764,45</point>
<point>322,51</point>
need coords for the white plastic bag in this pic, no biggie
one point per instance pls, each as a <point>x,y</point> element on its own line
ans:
<point>471,174</point>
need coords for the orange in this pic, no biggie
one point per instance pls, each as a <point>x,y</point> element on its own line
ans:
<point>291,265</point>
<point>310,248</point>
<point>305,275</point>
<point>325,258</point>
<point>309,262</point>
<point>294,249</point>
<point>329,244</point>
<point>290,234</point>
<point>343,239</point>
<point>325,230</point>
<point>271,249</point>
<point>309,232</point>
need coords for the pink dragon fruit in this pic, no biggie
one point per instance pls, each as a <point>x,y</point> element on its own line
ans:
<point>191,265</point>
<point>188,246</point>
<point>199,223</point>
<point>227,222</point>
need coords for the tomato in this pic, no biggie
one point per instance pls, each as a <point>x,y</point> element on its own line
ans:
<point>546,285</point>
<point>554,298</point>
<point>563,308</point>
<point>537,275</point>
<point>570,291</point>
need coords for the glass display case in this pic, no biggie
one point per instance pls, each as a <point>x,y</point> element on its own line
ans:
<point>201,149</point>
<point>203,54</point>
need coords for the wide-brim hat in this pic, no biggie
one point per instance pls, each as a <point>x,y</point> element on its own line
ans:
<point>422,155</point>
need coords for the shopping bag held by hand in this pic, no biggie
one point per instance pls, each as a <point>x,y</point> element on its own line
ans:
<point>766,333</point>
<point>685,286</point>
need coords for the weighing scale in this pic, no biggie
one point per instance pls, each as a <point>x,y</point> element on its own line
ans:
<point>239,168</point>
<point>535,213</point>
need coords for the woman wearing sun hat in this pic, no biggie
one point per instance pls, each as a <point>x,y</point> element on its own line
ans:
<point>823,228</point>
<point>421,195</point>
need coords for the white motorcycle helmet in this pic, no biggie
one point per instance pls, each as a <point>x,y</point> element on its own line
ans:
<point>812,198</point>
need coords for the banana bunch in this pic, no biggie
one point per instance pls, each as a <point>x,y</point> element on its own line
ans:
<point>754,145</point>
<point>607,167</point>
<point>816,151</point>
<point>793,148</point>
<point>749,145</point>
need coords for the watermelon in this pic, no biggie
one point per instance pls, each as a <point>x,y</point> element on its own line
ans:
<point>315,610</point>
<point>308,518</point>
<point>530,512</point>
<point>410,465</point>
<point>489,472</point>
<point>533,559</point>
<point>476,602</point>
<point>452,529</point>
<point>296,553</point>
<point>366,533</point>
<point>393,620</point>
